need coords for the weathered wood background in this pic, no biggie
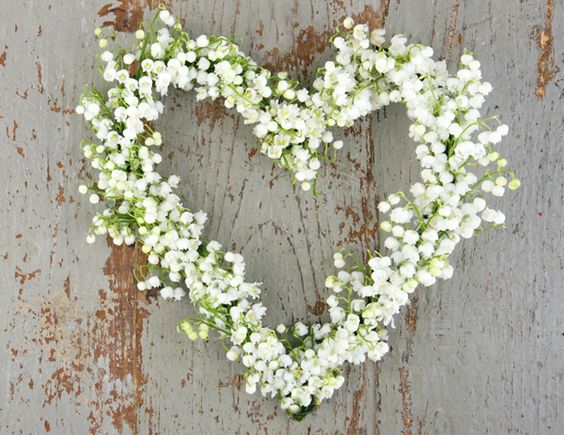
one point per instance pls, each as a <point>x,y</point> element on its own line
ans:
<point>82,351</point>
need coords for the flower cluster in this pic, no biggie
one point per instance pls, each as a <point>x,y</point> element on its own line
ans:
<point>300,364</point>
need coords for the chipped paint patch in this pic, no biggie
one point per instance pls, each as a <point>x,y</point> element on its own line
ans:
<point>308,43</point>
<point>98,352</point>
<point>60,198</point>
<point>547,68</point>
<point>365,223</point>
<point>121,350</point>
<point>40,87</point>
<point>405,391</point>
<point>3,56</point>
<point>127,14</point>
<point>374,18</point>
<point>253,152</point>
<point>405,383</point>
<point>111,356</point>
<point>14,130</point>
<point>367,229</point>
<point>450,36</point>
<point>23,277</point>
<point>23,95</point>
<point>55,107</point>
<point>318,308</point>
<point>210,111</point>
<point>353,426</point>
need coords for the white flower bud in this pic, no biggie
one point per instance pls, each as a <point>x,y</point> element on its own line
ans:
<point>234,353</point>
<point>128,59</point>
<point>338,144</point>
<point>348,23</point>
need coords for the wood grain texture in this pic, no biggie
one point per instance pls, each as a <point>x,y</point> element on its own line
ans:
<point>83,352</point>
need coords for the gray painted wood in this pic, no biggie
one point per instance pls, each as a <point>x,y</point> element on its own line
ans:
<point>83,351</point>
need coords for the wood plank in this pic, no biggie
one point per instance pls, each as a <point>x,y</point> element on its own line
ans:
<point>83,351</point>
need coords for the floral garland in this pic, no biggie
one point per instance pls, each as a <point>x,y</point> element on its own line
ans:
<point>300,364</point>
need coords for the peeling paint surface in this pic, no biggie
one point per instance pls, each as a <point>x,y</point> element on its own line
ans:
<point>82,351</point>
<point>547,68</point>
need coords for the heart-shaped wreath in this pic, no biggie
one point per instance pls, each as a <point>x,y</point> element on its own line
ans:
<point>300,364</point>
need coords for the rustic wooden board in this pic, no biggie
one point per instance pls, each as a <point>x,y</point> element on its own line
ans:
<point>83,351</point>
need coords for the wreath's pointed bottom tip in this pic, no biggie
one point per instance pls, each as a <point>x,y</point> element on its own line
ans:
<point>303,413</point>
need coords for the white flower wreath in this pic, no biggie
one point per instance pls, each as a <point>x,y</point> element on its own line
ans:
<point>300,364</point>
